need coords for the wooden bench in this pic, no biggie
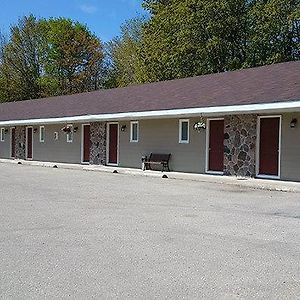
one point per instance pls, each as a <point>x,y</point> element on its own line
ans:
<point>157,159</point>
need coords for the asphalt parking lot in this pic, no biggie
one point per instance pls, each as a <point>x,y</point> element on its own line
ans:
<point>76,234</point>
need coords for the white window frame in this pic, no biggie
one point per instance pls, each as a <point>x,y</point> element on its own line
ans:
<point>2,135</point>
<point>132,123</point>
<point>180,131</point>
<point>42,140</point>
<point>70,134</point>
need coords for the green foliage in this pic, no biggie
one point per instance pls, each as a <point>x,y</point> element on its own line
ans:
<point>125,62</point>
<point>185,38</point>
<point>49,57</point>
<point>20,64</point>
<point>274,32</point>
<point>180,38</point>
<point>3,79</point>
<point>73,56</point>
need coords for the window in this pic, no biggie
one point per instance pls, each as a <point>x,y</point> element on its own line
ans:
<point>42,134</point>
<point>134,132</point>
<point>70,134</point>
<point>184,132</point>
<point>2,134</point>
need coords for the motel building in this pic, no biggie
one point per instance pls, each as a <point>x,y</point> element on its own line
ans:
<point>241,123</point>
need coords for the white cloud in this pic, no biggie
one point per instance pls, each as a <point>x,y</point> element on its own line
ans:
<point>89,9</point>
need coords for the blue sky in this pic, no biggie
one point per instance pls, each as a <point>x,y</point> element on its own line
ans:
<point>103,17</point>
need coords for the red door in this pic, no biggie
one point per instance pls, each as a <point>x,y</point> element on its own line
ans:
<point>216,146</point>
<point>29,142</point>
<point>13,143</point>
<point>113,143</point>
<point>86,143</point>
<point>269,146</point>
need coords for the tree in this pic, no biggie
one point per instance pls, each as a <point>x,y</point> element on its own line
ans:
<point>124,55</point>
<point>181,38</point>
<point>73,56</point>
<point>195,37</point>
<point>49,57</point>
<point>20,65</point>
<point>188,38</point>
<point>274,32</point>
<point>3,77</point>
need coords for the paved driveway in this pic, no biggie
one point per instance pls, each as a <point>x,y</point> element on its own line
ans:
<point>75,234</point>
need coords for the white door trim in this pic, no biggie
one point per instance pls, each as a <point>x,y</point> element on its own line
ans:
<point>26,143</point>
<point>263,176</point>
<point>82,144</point>
<point>208,120</point>
<point>107,144</point>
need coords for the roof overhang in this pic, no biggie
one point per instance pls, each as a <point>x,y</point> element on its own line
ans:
<point>268,108</point>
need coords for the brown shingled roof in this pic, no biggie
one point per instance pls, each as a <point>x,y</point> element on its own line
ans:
<point>273,83</point>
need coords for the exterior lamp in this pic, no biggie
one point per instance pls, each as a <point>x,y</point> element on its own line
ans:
<point>294,123</point>
<point>123,128</point>
<point>35,130</point>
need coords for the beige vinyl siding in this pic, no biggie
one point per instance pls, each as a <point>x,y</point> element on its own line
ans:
<point>158,136</point>
<point>162,136</point>
<point>290,148</point>
<point>5,146</point>
<point>57,150</point>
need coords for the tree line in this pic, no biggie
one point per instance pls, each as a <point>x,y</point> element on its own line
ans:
<point>176,39</point>
<point>47,58</point>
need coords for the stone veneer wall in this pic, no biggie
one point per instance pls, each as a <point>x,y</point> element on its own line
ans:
<point>21,142</point>
<point>98,143</point>
<point>240,145</point>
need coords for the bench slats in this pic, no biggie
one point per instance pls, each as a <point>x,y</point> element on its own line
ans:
<point>158,159</point>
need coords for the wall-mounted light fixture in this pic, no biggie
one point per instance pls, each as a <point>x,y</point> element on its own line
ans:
<point>35,130</point>
<point>123,128</point>
<point>55,135</point>
<point>75,129</point>
<point>294,123</point>
<point>6,131</point>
